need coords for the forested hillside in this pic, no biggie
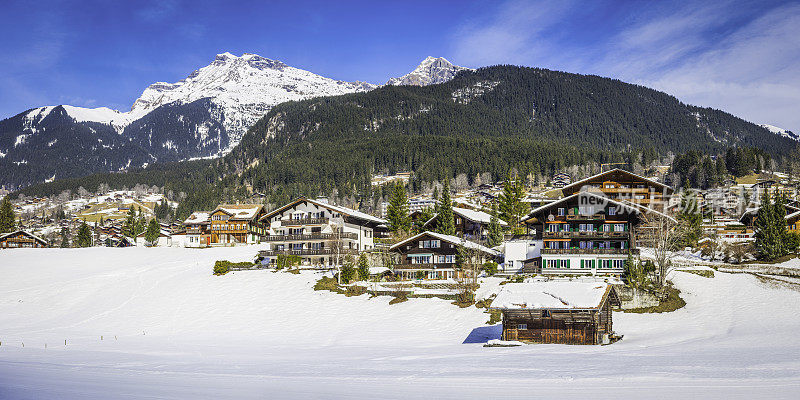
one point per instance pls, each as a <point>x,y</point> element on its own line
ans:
<point>490,120</point>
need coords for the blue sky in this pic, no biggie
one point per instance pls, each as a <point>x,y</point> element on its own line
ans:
<point>742,57</point>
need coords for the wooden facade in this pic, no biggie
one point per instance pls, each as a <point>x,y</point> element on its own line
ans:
<point>21,239</point>
<point>621,185</point>
<point>432,256</point>
<point>237,224</point>
<point>587,326</point>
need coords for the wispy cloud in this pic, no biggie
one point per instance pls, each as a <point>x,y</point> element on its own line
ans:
<point>157,10</point>
<point>732,56</point>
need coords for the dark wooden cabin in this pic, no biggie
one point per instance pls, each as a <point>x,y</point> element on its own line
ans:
<point>558,312</point>
<point>20,239</point>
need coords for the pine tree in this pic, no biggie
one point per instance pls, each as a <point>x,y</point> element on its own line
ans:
<point>363,267</point>
<point>767,239</point>
<point>512,209</point>
<point>64,237</point>
<point>141,224</point>
<point>692,218</point>
<point>7,219</point>
<point>425,215</point>
<point>129,228</point>
<point>397,213</point>
<point>779,219</point>
<point>153,230</point>
<point>495,230</point>
<point>84,235</point>
<point>445,222</point>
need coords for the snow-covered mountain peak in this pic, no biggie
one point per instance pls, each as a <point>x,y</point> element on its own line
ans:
<point>430,71</point>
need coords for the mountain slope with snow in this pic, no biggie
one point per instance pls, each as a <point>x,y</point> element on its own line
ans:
<point>780,131</point>
<point>430,71</point>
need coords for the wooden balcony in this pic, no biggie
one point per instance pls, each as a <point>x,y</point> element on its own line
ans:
<point>310,236</point>
<point>425,266</point>
<point>307,252</point>
<point>591,251</point>
<point>585,235</point>
<point>304,221</point>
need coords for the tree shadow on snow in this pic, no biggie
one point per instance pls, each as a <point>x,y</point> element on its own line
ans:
<point>484,334</point>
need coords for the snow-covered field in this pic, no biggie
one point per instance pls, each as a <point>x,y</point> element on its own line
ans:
<point>172,330</point>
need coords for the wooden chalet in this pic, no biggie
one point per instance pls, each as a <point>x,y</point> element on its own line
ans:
<point>560,180</point>
<point>564,312</point>
<point>618,184</point>
<point>793,222</point>
<point>198,229</point>
<point>237,224</point>
<point>21,239</point>
<point>431,255</point>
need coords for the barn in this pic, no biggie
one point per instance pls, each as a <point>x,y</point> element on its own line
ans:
<point>565,312</point>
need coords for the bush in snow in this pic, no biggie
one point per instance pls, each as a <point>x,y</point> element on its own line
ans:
<point>222,267</point>
<point>348,273</point>
<point>490,267</point>
<point>363,267</point>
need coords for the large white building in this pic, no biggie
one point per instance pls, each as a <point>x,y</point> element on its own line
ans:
<point>318,232</point>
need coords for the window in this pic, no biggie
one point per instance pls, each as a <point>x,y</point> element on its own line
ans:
<point>612,210</point>
<point>522,327</point>
<point>560,212</point>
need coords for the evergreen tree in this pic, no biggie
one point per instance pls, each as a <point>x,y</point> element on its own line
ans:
<point>129,228</point>
<point>347,272</point>
<point>512,209</point>
<point>64,237</point>
<point>363,267</point>
<point>141,224</point>
<point>495,230</point>
<point>445,222</point>
<point>767,239</point>
<point>781,231</point>
<point>425,215</point>
<point>397,213</point>
<point>692,218</point>
<point>153,230</point>
<point>7,219</point>
<point>84,238</point>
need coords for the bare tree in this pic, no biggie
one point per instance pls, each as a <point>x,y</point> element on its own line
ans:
<point>469,260</point>
<point>663,234</point>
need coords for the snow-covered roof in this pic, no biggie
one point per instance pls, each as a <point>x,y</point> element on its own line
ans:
<point>792,215</point>
<point>449,239</point>
<point>551,295</point>
<point>338,209</point>
<point>240,211</point>
<point>477,216</point>
<point>198,217</point>
<point>24,232</point>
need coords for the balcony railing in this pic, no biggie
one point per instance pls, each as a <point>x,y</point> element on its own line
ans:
<point>310,236</point>
<point>579,217</point>
<point>307,252</point>
<point>304,221</point>
<point>584,234</point>
<point>424,266</point>
<point>590,251</point>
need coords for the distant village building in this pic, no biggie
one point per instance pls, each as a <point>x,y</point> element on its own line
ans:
<point>431,255</point>
<point>317,231</point>
<point>21,239</point>
<point>560,180</point>
<point>563,312</point>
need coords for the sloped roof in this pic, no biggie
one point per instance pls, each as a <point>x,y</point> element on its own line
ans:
<point>563,295</point>
<point>24,232</point>
<point>472,215</point>
<point>198,217</point>
<point>578,184</point>
<point>450,239</point>
<point>240,211</point>
<point>339,209</point>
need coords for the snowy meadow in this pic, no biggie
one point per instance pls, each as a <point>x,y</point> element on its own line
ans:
<point>155,323</point>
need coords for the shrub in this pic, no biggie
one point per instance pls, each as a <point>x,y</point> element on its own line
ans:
<point>363,267</point>
<point>287,261</point>
<point>490,267</point>
<point>355,290</point>
<point>222,267</point>
<point>348,273</point>
<point>328,283</point>
<point>420,275</point>
<point>398,299</point>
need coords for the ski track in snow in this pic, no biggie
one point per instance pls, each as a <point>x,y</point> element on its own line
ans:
<point>183,333</point>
